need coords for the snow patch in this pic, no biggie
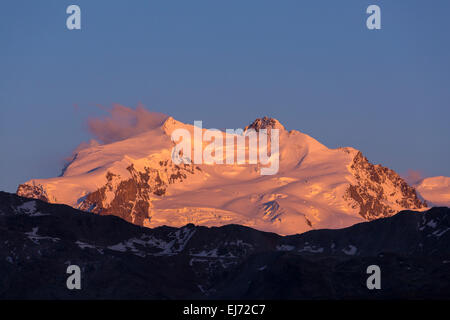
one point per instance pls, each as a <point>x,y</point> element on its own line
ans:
<point>35,238</point>
<point>210,253</point>
<point>350,250</point>
<point>262,268</point>
<point>439,233</point>
<point>285,247</point>
<point>432,224</point>
<point>311,249</point>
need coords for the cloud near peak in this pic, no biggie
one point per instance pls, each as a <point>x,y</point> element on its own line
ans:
<point>413,177</point>
<point>123,122</point>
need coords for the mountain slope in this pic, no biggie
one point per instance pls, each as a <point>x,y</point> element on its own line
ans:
<point>119,260</point>
<point>315,187</point>
<point>436,190</point>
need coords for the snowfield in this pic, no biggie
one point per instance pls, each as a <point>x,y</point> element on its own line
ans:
<point>436,190</point>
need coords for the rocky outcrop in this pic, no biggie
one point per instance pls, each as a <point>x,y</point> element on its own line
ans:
<point>130,199</point>
<point>379,191</point>
<point>265,123</point>
<point>127,198</point>
<point>32,191</point>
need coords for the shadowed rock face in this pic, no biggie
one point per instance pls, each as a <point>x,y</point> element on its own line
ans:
<point>131,198</point>
<point>376,187</point>
<point>120,260</point>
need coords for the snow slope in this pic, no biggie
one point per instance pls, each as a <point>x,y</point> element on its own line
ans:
<point>315,187</point>
<point>436,190</point>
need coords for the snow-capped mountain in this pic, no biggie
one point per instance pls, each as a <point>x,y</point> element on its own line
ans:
<point>436,190</point>
<point>315,187</point>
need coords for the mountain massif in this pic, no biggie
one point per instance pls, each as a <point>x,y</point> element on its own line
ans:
<point>314,188</point>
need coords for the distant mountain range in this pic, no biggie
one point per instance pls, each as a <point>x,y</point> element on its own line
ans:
<point>315,187</point>
<point>119,260</point>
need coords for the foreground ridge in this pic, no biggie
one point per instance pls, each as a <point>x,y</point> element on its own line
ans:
<point>122,260</point>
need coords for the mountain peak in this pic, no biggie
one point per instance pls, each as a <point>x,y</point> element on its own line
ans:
<point>171,124</point>
<point>265,123</point>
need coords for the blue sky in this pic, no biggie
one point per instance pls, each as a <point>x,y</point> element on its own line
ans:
<point>313,65</point>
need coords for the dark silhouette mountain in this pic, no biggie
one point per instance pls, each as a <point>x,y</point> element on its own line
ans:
<point>120,260</point>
